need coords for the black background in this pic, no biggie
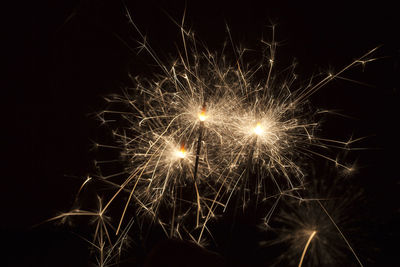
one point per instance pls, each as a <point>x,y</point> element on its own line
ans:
<point>63,56</point>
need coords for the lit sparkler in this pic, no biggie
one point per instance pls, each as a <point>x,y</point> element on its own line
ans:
<point>185,159</point>
<point>309,222</point>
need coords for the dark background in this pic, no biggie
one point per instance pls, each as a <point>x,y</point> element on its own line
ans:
<point>63,56</point>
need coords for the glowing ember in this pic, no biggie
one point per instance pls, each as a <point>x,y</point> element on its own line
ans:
<point>258,130</point>
<point>181,153</point>
<point>202,114</point>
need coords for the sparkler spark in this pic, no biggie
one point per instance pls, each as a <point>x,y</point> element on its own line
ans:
<point>313,233</point>
<point>204,130</point>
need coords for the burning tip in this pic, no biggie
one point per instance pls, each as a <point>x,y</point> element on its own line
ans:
<point>258,130</point>
<point>202,114</point>
<point>202,117</point>
<point>181,153</point>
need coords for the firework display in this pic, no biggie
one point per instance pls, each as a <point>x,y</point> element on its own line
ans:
<point>210,136</point>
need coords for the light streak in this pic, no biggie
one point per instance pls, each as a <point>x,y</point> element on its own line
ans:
<point>306,247</point>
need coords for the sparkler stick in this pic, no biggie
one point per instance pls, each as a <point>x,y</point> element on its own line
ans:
<point>198,204</point>
<point>171,230</point>
<point>182,155</point>
<point>306,247</point>
<point>202,118</point>
<point>257,130</point>
<point>248,169</point>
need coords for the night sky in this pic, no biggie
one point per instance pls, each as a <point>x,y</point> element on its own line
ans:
<point>63,57</point>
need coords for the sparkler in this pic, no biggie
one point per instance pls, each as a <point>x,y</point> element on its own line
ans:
<point>307,222</point>
<point>172,142</point>
<point>202,118</point>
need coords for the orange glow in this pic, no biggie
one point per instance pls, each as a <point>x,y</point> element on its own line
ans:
<point>181,153</point>
<point>202,114</point>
